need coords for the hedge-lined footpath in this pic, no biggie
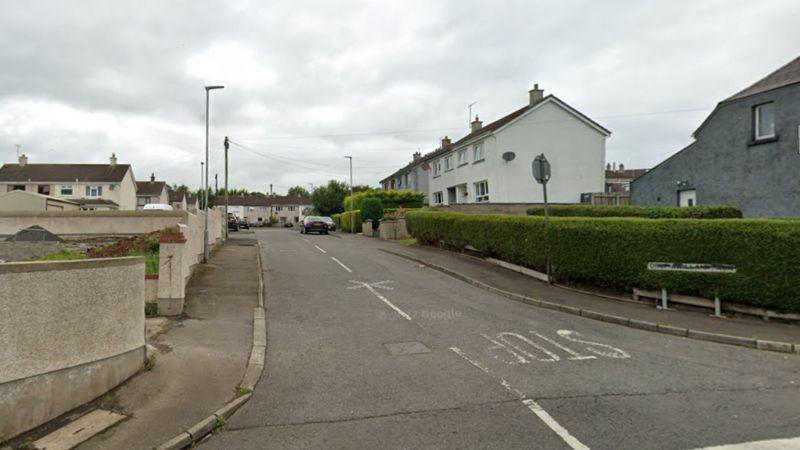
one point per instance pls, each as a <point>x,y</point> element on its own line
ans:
<point>695,212</point>
<point>614,252</point>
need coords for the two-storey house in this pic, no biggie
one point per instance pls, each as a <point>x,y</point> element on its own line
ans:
<point>745,154</point>
<point>93,186</point>
<point>152,191</point>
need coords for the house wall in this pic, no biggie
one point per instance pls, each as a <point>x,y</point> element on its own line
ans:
<point>65,223</point>
<point>72,330</point>
<point>576,152</point>
<point>126,193</point>
<point>761,179</point>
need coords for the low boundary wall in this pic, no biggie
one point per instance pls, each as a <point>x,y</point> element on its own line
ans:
<point>71,331</point>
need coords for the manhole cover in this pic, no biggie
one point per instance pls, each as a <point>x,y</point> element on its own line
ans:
<point>406,348</point>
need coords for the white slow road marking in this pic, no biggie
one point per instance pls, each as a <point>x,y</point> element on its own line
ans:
<point>320,249</point>
<point>360,284</point>
<point>530,404</point>
<point>759,445</point>
<point>341,264</point>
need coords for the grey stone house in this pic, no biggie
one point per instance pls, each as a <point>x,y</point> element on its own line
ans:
<point>745,154</point>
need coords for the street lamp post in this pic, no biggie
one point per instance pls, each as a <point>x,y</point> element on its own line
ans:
<point>205,225</point>
<point>352,219</point>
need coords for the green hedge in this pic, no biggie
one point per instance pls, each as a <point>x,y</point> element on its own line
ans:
<point>649,212</point>
<point>337,219</point>
<point>346,217</point>
<point>614,252</point>
<point>389,199</point>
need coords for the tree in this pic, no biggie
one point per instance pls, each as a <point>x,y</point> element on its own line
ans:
<point>298,191</point>
<point>362,188</point>
<point>328,199</point>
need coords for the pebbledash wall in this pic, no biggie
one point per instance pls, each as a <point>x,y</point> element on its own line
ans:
<point>80,223</point>
<point>71,331</point>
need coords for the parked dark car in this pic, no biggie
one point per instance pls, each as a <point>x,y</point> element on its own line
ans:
<point>243,224</point>
<point>233,222</point>
<point>330,222</point>
<point>315,224</point>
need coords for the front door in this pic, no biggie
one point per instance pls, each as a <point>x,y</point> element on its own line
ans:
<point>687,198</point>
<point>451,195</point>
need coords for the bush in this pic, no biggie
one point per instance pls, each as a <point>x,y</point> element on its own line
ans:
<point>337,219</point>
<point>389,199</point>
<point>346,218</point>
<point>650,212</point>
<point>372,209</point>
<point>614,252</point>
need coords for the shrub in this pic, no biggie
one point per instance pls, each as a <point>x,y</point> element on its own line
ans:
<point>349,216</point>
<point>337,219</point>
<point>372,209</point>
<point>389,199</point>
<point>151,309</point>
<point>650,212</point>
<point>614,252</point>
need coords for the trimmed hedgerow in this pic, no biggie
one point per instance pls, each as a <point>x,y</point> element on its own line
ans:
<point>345,219</point>
<point>614,252</point>
<point>389,199</point>
<point>649,212</point>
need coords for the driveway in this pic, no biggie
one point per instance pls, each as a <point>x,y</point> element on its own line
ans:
<point>366,350</point>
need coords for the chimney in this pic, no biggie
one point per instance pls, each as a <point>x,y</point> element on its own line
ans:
<point>445,142</point>
<point>152,178</point>
<point>608,166</point>
<point>536,94</point>
<point>614,166</point>
<point>113,159</point>
<point>621,166</point>
<point>417,156</point>
<point>23,160</point>
<point>476,124</point>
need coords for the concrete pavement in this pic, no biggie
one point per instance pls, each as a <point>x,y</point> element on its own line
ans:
<point>367,350</point>
<point>202,356</point>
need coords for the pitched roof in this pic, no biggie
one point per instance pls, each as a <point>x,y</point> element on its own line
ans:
<point>95,202</point>
<point>286,200</point>
<point>625,173</point>
<point>63,173</point>
<point>261,200</point>
<point>176,196</point>
<point>500,123</point>
<point>786,75</point>
<point>150,188</point>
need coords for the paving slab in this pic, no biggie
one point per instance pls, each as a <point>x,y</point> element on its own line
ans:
<point>72,434</point>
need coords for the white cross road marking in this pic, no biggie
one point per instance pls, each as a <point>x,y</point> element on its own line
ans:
<point>380,284</point>
<point>531,404</point>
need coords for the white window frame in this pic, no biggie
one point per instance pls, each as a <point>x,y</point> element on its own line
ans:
<point>438,197</point>
<point>437,168</point>
<point>478,152</point>
<point>481,191</point>
<point>94,191</point>
<point>448,162</point>
<point>141,201</point>
<point>757,121</point>
<point>63,188</point>
<point>462,157</point>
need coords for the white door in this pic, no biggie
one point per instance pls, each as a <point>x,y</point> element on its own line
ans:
<point>687,198</point>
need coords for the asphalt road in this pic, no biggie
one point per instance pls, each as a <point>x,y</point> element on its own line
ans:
<point>366,350</point>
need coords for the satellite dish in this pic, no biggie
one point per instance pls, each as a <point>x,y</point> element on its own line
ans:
<point>509,156</point>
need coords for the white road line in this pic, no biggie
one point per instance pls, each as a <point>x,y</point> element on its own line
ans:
<point>341,264</point>
<point>531,404</point>
<point>320,249</point>
<point>385,300</point>
<point>759,445</point>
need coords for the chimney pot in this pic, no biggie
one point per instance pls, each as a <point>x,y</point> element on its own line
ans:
<point>536,94</point>
<point>113,159</point>
<point>476,124</point>
<point>152,177</point>
<point>23,160</point>
<point>417,156</point>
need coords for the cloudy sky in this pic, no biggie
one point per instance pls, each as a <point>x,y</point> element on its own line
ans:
<point>308,82</point>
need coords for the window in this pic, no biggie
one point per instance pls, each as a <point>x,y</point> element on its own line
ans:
<point>438,197</point>
<point>94,191</point>
<point>18,187</point>
<point>279,208</point>
<point>448,162</point>
<point>406,178</point>
<point>482,191</point>
<point>291,208</point>
<point>462,157</point>
<point>43,189</point>
<point>477,152</point>
<point>437,168</point>
<point>141,201</point>
<point>764,121</point>
<point>66,190</point>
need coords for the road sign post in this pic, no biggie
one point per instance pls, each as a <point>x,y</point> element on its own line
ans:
<point>541,172</point>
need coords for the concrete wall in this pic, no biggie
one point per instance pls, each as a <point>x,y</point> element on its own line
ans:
<point>71,330</point>
<point>725,169</point>
<point>21,251</point>
<point>29,201</point>
<point>576,152</point>
<point>66,223</point>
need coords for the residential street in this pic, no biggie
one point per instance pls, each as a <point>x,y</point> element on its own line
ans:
<point>368,350</point>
